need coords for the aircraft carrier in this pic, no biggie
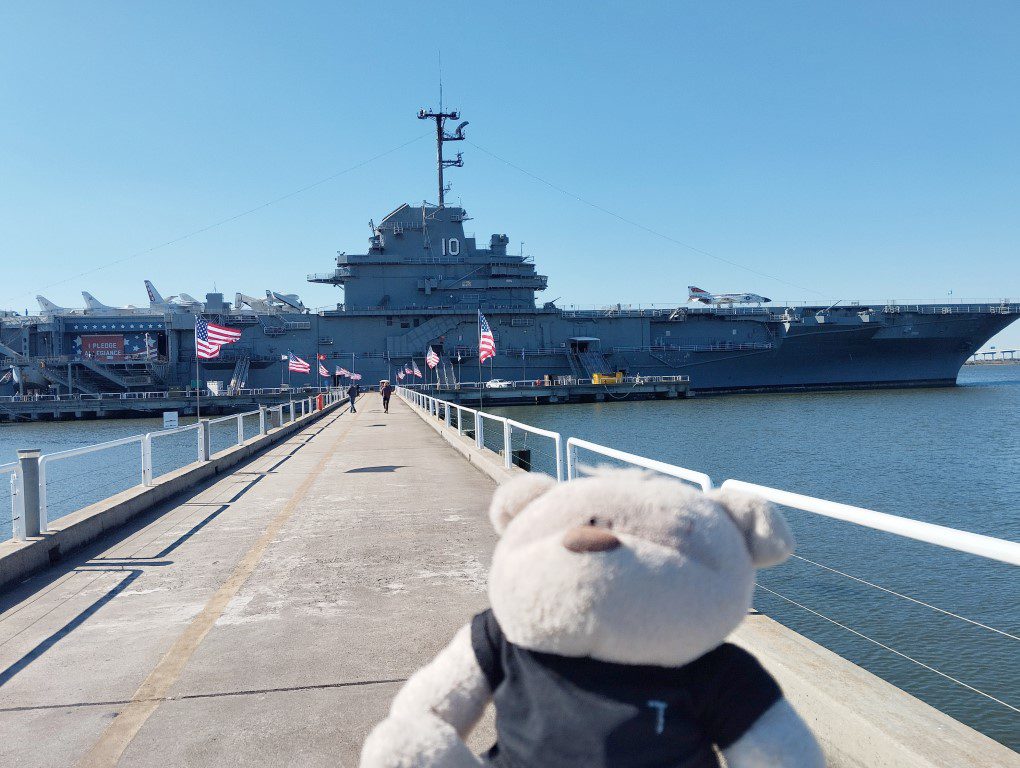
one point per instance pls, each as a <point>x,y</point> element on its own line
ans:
<point>421,284</point>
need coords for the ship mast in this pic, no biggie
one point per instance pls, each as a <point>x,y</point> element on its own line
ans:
<point>441,137</point>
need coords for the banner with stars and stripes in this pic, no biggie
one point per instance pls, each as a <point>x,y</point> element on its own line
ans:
<point>209,337</point>
<point>486,341</point>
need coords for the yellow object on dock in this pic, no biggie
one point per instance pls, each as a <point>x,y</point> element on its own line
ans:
<point>606,378</point>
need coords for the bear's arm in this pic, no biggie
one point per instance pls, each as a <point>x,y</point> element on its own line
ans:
<point>778,739</point>
<point>452,687</point>
<point>433,713</point>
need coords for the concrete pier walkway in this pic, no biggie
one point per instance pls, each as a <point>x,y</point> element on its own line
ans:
<point>267,618</point>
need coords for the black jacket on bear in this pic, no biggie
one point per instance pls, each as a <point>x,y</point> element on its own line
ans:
<point>563,711</point>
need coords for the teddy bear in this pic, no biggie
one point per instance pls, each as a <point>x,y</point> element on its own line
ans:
<point>611,598</point>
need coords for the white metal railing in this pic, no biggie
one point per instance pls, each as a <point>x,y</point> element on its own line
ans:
<point>50,458</point>
<point>444,409</point>
<point>13,470</point>
<point>554,436</point>
<point>948,538</point>
<point>295,409</point>
<point>152,395</point>
<point>690,475</point>
<point>939,535</point>
<point>239,419</point>
<point>147,439</point>
<point>558,381</point>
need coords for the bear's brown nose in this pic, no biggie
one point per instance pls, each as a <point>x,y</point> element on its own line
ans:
<point>588,538</point>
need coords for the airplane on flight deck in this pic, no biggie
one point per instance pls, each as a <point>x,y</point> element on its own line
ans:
<point>697,294</point>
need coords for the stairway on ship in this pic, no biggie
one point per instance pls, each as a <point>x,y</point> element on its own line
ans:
<point>417,339</point>
<point>240,375</point>
<point>591,362</point>
<point>447,377</point>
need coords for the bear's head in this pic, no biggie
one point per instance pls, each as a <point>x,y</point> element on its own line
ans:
<point>627,566</point>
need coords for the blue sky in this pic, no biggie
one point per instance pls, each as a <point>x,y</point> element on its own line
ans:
<point>837,150</point>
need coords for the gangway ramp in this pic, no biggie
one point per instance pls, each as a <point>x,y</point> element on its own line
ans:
<point>266,619</point>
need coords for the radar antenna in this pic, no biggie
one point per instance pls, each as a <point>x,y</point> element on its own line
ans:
<point>442,136</point>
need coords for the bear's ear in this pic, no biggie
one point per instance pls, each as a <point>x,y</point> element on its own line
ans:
<point>510,498</point>
<point>768,537</point>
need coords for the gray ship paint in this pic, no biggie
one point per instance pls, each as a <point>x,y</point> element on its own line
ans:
<point>422,282</point>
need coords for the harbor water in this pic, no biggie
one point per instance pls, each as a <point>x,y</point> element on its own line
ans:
<point>78,481</point>
<point>948,456</point>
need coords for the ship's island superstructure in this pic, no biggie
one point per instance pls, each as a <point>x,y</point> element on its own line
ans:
<point>421,284</point>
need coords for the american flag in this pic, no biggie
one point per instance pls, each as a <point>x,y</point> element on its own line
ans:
<point>340,371</point>
<point>296,364</point>
<point>408,369</point>
<point>355,377</point>
<point>323,372</point>
<point>432,359</point>
<point>486,342</point>
<point>400,375</point>
<point>415,369</point>
<point>322,356</point>
<point>209,337</point>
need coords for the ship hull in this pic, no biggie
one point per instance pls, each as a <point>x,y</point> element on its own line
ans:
<point>722,351</point>
<point>768,355</point>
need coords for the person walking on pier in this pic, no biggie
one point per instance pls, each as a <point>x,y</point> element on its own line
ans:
<point>386,390</point>
<point>352,395</point>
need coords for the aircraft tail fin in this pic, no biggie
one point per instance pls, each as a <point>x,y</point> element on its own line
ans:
<point>154,297</point>
<point>46,305</point>
<point>697,294</point>
<point>91,302</point>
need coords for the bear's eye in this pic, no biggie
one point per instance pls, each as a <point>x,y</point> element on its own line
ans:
<point>595,521</point>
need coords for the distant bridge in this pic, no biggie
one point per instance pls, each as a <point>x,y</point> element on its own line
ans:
<point>995,356</point>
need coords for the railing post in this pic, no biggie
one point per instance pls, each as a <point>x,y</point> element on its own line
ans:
<point>147,460</point>
<point>17,506</point>
<point>262,420</point>
<point>30,509</point>
<point>291,410</point>
<point>43,507</point>
<point>507,443</point>
<point>240,429</point>
<point>571,460</point>
<point>460,420</point>
<point>559,458</point>
<point>446,414</point>
<point>479,429</point>
<point>204,440</point>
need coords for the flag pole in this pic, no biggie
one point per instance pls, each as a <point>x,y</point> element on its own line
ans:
<point>198,387</point>
<point>481,389</point>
